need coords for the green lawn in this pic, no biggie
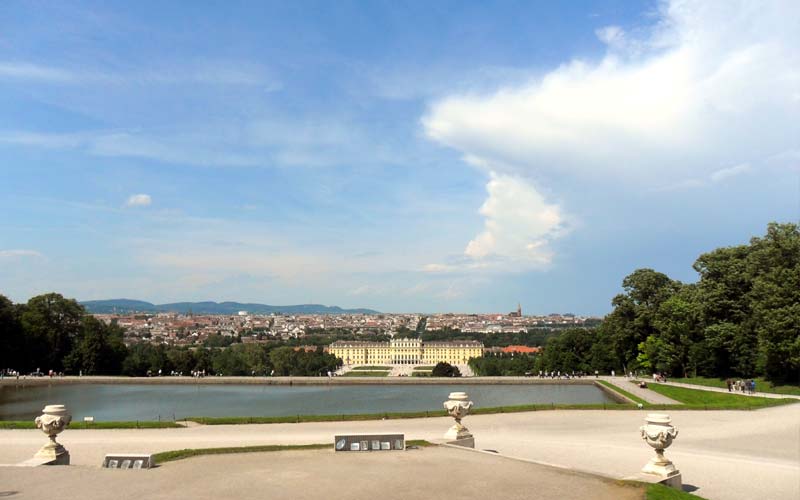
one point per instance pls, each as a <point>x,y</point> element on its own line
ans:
<point>424,368</point>
<point>371,367</point>
<point>761,385</point>
<point>28,424</point>
<point>661,492</point>
<point>365,374</point>
<point>714,400</point>
<point>169,456</point>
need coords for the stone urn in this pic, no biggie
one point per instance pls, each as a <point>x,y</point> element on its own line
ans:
<point>53,420</point>
<point>458,406</point>
<point>659,433</point>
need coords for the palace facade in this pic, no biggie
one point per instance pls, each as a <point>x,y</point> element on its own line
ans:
<point>406,352</point>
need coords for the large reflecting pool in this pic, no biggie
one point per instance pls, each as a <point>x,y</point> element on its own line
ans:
<point>151,402</point>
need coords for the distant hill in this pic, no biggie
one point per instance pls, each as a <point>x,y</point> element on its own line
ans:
<point>129,306</point>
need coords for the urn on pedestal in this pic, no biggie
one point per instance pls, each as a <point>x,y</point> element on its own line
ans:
<point>53,420</point>
<point>659,433</point>
<point>458,406</point>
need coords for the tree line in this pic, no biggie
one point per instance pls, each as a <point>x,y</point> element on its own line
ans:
<point>741,318</point>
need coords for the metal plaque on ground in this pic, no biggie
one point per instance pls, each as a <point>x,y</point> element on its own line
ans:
<point>128,461</point>
<point>369,442</point>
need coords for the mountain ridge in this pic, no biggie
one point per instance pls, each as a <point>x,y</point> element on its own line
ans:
<point>109,306</point>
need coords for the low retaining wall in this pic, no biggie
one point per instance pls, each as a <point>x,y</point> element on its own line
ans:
<point>37,381</point>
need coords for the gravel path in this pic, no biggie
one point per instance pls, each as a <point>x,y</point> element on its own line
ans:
<point>413,474</point>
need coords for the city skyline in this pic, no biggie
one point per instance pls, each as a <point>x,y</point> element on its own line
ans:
<point>433,158</point>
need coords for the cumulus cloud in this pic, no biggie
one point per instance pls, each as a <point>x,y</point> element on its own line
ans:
<point>139,200</point>
<point>519,222</point>
<point>713,83</point>
<point>519,225</point>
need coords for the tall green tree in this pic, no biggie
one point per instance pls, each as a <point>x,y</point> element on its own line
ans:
<point>632,320</point>
<point>98,349</point>
<point>12,338</point>
<point>774,263</point>
<point>51,324</point>
<point>724,286</point>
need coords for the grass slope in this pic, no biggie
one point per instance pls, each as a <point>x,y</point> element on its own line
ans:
<point>373,367</point>
<point>715,400</point>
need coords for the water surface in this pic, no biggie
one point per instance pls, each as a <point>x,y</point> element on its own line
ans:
<point>151,402</point>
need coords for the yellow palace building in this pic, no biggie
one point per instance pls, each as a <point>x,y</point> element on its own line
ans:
<point>406,352</point>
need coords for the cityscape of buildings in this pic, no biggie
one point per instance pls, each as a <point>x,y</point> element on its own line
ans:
<point>192,329</point>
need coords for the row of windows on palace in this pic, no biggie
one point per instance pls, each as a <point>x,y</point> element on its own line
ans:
<point>408,344</point>
<point>406,351</point>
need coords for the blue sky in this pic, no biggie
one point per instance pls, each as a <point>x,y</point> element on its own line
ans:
<point>403,156</point>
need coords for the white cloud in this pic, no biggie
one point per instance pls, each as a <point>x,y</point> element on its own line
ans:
<point>714,83</point>
<point>613,36</point>
<point>519,223</point>
<point>729,172</point>
<point>710,84</point>
<point>139,200</point>
<point>8,254</point>
<point>518,228</point>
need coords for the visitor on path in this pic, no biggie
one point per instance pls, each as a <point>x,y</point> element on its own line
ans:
<point>613,374</point>
<point>729,383</point>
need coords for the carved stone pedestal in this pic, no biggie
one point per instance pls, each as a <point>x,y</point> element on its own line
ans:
<point>659,433</point>
<point>53,420</point>
<point>458,406</point>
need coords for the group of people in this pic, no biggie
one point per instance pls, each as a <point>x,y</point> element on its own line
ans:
<point>746,386</point>
<point>8,372</point>
<point>659,377</point>
<point>558,374</point>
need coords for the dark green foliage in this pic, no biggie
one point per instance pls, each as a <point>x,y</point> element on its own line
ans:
<point>496,365</point>
<point>98,349</point>
<point>288,361</point>
<point>445,370</point>
<point>51,324</point>
<point>12,339</point>
<point>570,352</point>
<point>741,319</point>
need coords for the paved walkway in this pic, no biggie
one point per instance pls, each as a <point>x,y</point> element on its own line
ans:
<point>319,475</point>
<point>712,450</point>
<point>653,397</point>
